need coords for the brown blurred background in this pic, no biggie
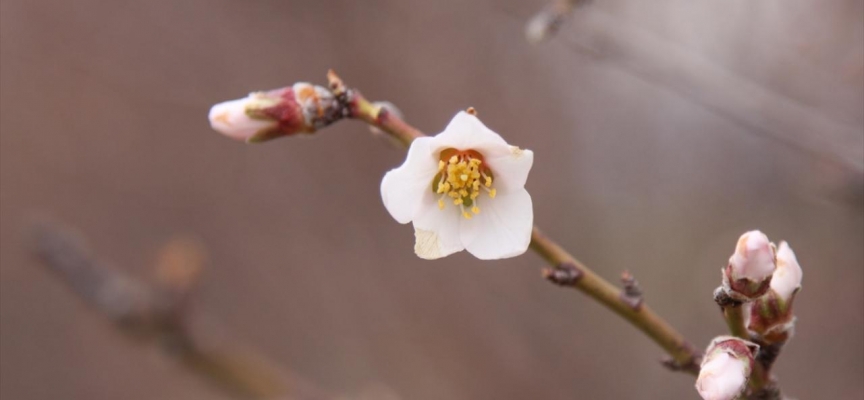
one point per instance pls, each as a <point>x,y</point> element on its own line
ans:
<point>662,131</point>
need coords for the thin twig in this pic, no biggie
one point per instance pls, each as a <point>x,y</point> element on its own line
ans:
<point>733,312</point>
<point>684,356</point>
<point>573,274</point>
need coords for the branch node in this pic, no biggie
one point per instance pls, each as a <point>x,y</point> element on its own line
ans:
<point>768,354</point>
<point>632,294</point>
<point>564,274</point>
<point>722,298</point>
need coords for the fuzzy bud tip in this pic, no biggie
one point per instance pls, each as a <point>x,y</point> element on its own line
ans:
<point>750,268</point>
<point>787,277</point>
<point>726,368</point>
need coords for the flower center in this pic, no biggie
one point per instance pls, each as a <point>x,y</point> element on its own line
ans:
<point>461,178</point>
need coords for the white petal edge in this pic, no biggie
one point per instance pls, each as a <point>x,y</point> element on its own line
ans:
<point>404,187</point>
<point>503,227</point>
<point>721,378</point>
<point>436,231</point>
<point>466,132</point>
<point>511,170</point>
<point>753,258</point>
<point>230,119</point>
<point>787,276</point>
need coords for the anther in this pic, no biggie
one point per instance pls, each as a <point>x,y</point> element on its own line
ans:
<point>462,175</point>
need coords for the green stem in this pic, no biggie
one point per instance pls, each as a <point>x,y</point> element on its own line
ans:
<point>734,316</point>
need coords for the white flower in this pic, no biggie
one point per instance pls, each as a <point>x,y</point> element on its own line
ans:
<point>753,258</point>
<point>726,368</point>
<point>787,276</point>
<point>463,189</point>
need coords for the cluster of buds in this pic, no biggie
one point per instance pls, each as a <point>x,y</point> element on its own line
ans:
<point>766,279</point>
<point>770,318</point>
<point>759,283</point>
<point>261,116</point>
<point>726,368</point>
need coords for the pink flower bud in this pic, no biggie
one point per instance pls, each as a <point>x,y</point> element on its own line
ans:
<point>301,108</point>
<point>750,268</point>
<point>233,118</point>
<point>726,368</point>
<point>771,315</point>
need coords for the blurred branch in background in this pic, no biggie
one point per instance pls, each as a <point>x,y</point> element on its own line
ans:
<point>157,312</point>
<point>741,100</point>
<point>546,23</point>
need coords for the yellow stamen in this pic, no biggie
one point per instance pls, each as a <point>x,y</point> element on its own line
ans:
<point>463,177</point>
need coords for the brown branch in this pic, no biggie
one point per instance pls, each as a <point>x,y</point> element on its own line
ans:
<point>684,356</point>
<point>156,313</point>
<point>568,271</point>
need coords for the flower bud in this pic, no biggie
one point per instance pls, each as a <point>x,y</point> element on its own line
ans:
<point>750,268</point>
<point>771,315</point>
<point>786,280</point>
<point>301,108</point>
<point>726,368</point>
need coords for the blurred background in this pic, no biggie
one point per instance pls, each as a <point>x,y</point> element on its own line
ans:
<point>662,131</point>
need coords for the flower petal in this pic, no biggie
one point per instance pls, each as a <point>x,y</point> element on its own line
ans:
<point>466,132</point>
<point>436,232</point>
<point>503,227</point>
<point>787,277</point>
<point>403,188</point>
<point>722,378</point>
<point>230,119</point>
<point>753,258</point>
<point>511,170</point>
